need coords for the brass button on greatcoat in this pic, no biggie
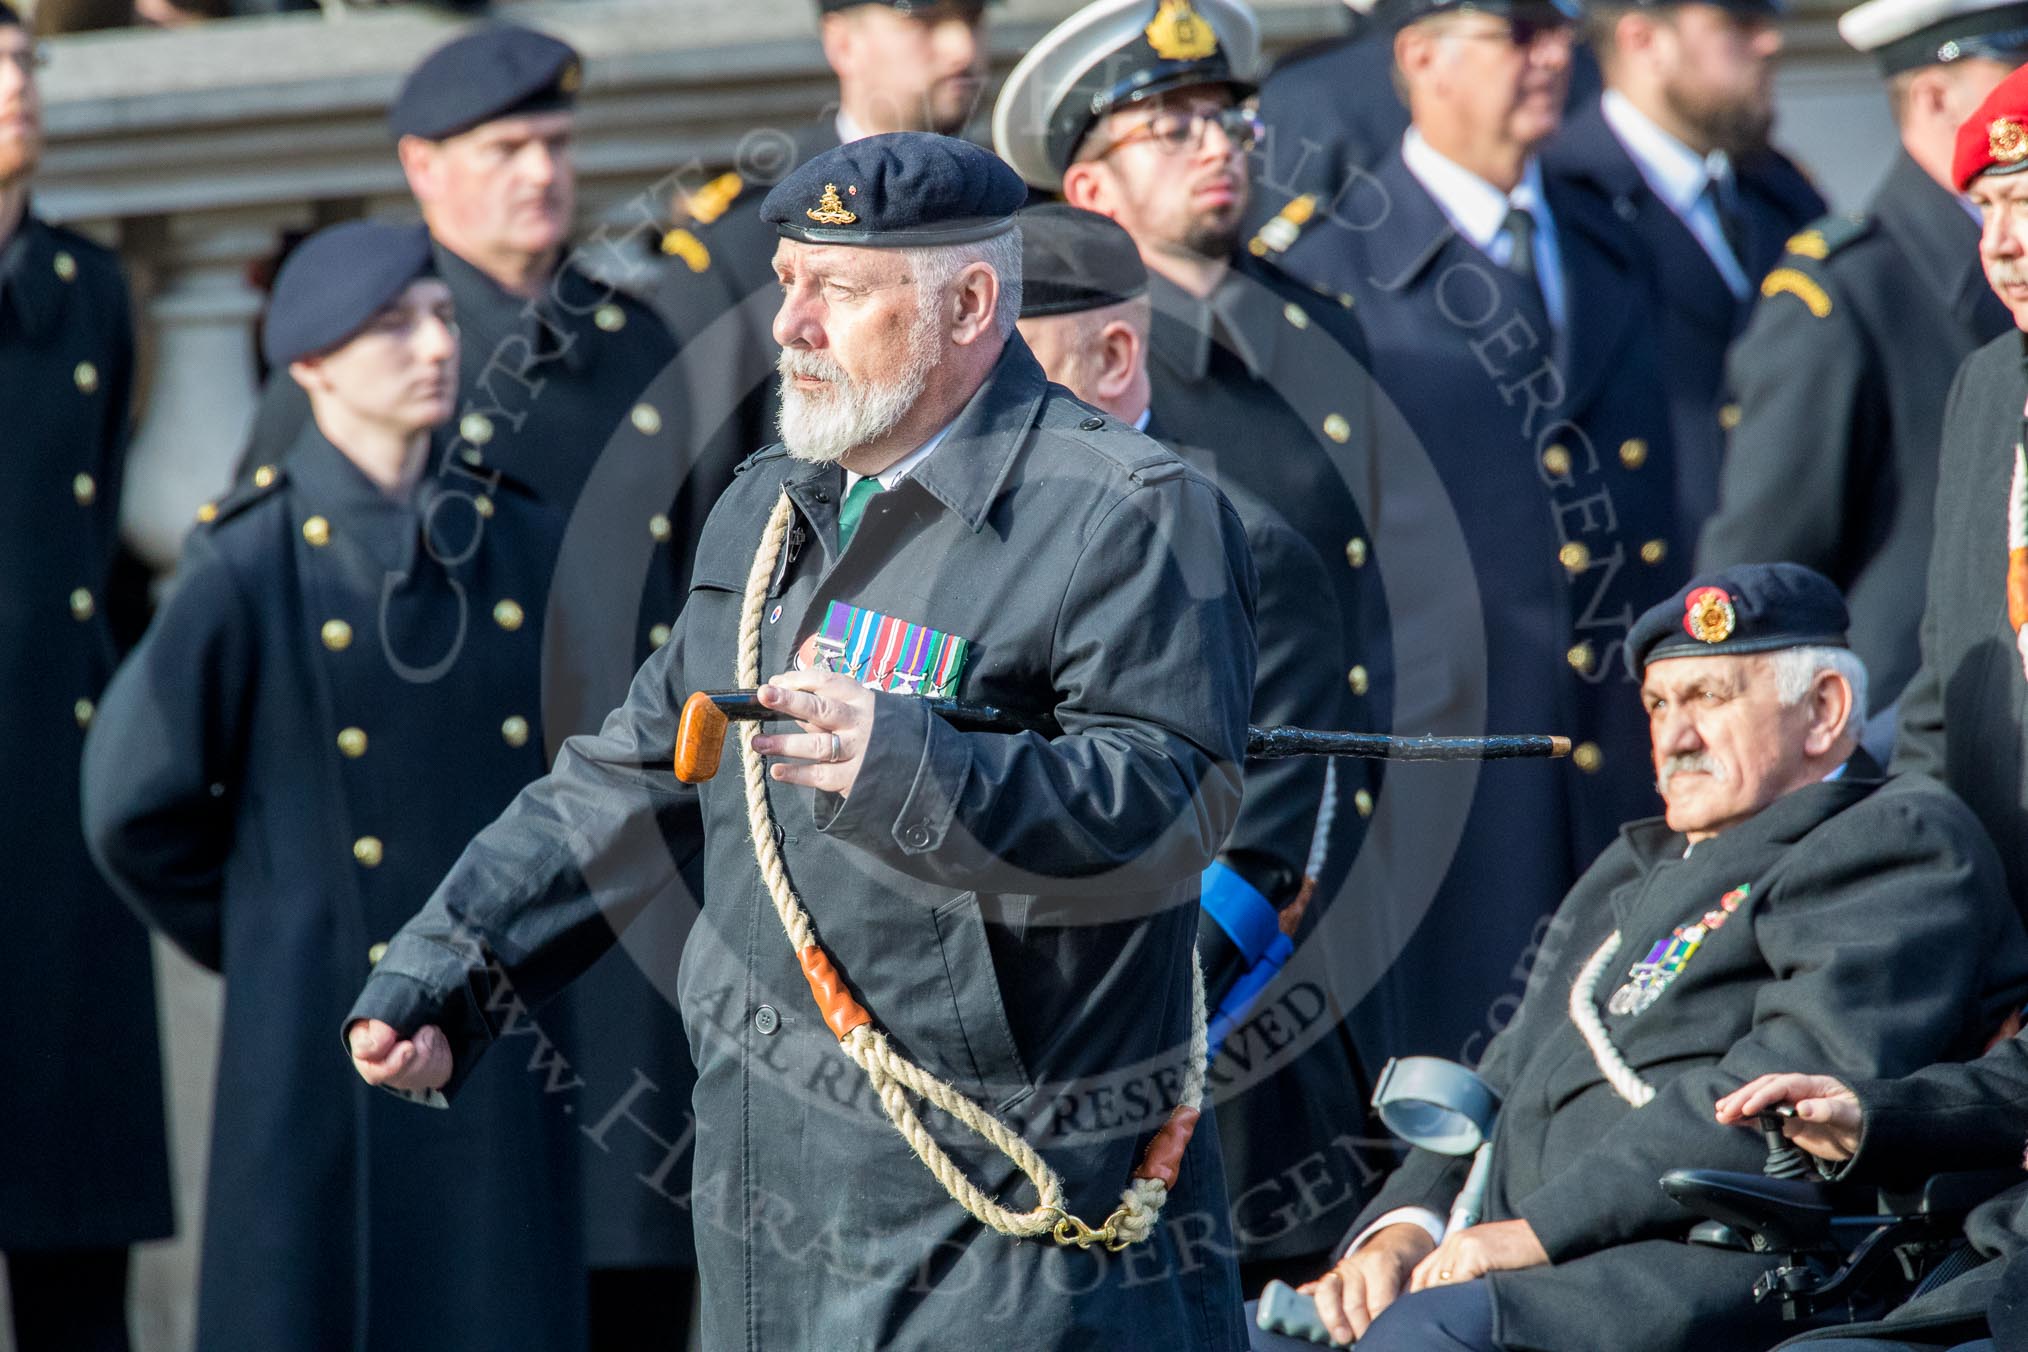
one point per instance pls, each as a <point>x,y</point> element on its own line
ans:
<point>658,526</point>
<point>659,635</point>
<point>1654,551</point>
<point>1557,461</point>
<point>610,318</point>
<point>1357,679</point>
<point>1336,428</point>
<point>375,954</point>
<point>1575,556</point>
<point>1581,658</point>
<point>647,419</point>
<point>508,615</point>
<point>317,531</point>
<point>1587,757</point>
<point>1362,802</point>
<point>82,711</point>
<point>65,265</point>
<point>87,377</point>
<point>1355,552</point>
<point>476,428</point>
<point>1633,453</point>
<point>82,607</point>
<point>85,489</point>
<point>264,477</point>
<point>352,743</point>
<point>337,635</point>
<point>515,731</point>
<point>368,851</point>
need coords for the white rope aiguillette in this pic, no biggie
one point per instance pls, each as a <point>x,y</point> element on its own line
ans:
<point>893,1076</point>
<point>1625,1080</point>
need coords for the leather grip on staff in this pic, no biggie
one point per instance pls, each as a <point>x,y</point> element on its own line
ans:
<point>700,736</point>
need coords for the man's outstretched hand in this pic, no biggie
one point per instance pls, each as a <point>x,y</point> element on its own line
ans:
<point>384,1057</point>
<point>1827,1119</point>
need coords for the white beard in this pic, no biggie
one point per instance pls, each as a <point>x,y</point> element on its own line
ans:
<point>826,427</point>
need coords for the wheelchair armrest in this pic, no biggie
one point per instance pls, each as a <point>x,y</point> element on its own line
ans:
<point>1945,1200</point>
<point>1771,1213</point>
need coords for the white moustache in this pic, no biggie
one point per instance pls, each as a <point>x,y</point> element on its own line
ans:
<point>1676,764</point>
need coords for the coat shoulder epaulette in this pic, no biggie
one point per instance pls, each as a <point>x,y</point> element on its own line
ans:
<point>772,451</point>
<point>1799,273</point>
<point>692,210</point>
<point>1284,228</point>
<point>258,487</point>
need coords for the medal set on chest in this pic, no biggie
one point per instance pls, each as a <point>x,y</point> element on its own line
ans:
<point>885,653</point>
<point>1654,974</point>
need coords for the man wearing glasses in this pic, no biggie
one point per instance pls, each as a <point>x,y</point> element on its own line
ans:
<point>84,1169</point>
<point>1511,319</point>
<point>1135,110</point>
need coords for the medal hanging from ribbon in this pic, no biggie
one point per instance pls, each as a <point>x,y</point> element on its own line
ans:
<point>1654,974</point>
<point>2017,548</point>
<point>885,653</point>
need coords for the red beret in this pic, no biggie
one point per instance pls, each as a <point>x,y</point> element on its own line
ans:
<point>1994,139</point>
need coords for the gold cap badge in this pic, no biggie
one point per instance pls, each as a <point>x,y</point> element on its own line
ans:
<point>1180,33</point>
<point>829,210</point>
<point>2007,139</point>
<point>1708,615</point>
<point>570,79</point>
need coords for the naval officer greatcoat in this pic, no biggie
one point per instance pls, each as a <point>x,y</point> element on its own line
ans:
<point>1863,931</point>
<point>341,689</point>
<point>88,1086</point>
<point>1017,911</point>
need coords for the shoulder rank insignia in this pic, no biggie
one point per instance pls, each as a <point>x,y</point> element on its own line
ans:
<point>265,480</point>
<point>1180,33</point>
<point>1799,284</point>
<point>830,209</point>
<point>1807,244</point>
<point>884,653</point>
<point>709,202</point>
<point>1278,234</point>
<point>680,243</point>
<point>1648,978</point>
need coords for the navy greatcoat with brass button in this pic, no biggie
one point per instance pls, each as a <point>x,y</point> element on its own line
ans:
<point>340,690</point>
<point>83,1161</point>
<point>1017,911</point>
<point>584,398</point>
<point>1550,452</point>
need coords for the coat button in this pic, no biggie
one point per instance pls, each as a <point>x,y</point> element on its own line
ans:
<point>207,514</point>
<point>352,743</point>
<point>1362,802</point>
<point>1575,556</point>
<point>1633,453</point>
<point>87,377</point>
<point>375,954</point>
<point>476,428</point>
<point>470,455</point>
<point>82,607</point>
<point>1092,424</point>
<point>82,711</point>
<point>1581,658</point>
<point>766,1021</point>
<point>1654,551</point>
<point>264,477</point>
<point>1336,428</point>
<point>1587,757</point>
<point>515,731</point>
<point>1294,314</point>
<point>85,489</point>
<point>483,505</point>
<point>337,635</point>
<point>916,837</point>
<point>65,265</point>
<point>1355,551</point>
<point>610,318</point>
<point>317,531</point>
<point>1557,461</point>
<point>1357,679</point>
<point>658,527</point>
<point>1728,417</point>
<point>508,615</point>
<point>367,851</point>
<point>658,635</point>
<point>647,419</point>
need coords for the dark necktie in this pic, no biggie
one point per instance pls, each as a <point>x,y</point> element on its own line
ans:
<point>1724,197</point>
<point>1520,228</point>
<point>854,507</point>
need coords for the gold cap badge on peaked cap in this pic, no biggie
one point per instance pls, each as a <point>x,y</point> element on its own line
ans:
<point>1180,33</point>
<point>830,210</point>
<point>2007,139</point>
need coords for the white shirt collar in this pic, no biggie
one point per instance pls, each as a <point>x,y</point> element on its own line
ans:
<point>848,130</point>
<point>1675,171</point>
<point>905,466</point>
<point>1476,208</point>
<point>1141,423</point>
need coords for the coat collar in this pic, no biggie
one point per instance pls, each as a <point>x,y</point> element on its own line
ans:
<point>30,288</point>
<point>490,315</point>
<point>1185,326</point>
<point>328,484</point>
<point>1941,240</point>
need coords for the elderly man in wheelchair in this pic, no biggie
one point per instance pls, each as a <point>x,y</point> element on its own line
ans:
<point>1791,908</point>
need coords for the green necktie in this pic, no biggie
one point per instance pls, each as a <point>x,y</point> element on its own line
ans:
<point>853,508</point>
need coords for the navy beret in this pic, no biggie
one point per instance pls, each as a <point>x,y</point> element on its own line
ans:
<point>899,190</point>
<point>906,8</point>
<point>8,16</point>
<point>1754,608</point>
<point>1073,260</point>
<point>335,281</point>
<point>496,71</point>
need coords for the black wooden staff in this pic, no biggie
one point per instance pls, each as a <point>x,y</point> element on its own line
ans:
<point>700,736</point>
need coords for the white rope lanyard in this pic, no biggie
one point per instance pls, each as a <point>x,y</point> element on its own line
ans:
<point>1625,1080</point>
<point>893,1076</point>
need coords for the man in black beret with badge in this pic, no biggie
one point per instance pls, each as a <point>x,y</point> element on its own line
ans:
<point>1002,922</point>
<point>1789,908</point>
<point>1085,313</point>
<point>79,971</point>
<point>1841,377</point>
<point>343,686</point>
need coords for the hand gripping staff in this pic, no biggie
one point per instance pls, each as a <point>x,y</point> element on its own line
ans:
<point>896,1080</point>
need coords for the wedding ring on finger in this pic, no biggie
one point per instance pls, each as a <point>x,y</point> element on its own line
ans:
<point>837,749</point>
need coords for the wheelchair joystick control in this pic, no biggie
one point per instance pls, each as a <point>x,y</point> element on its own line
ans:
<point>1784,1160</point>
